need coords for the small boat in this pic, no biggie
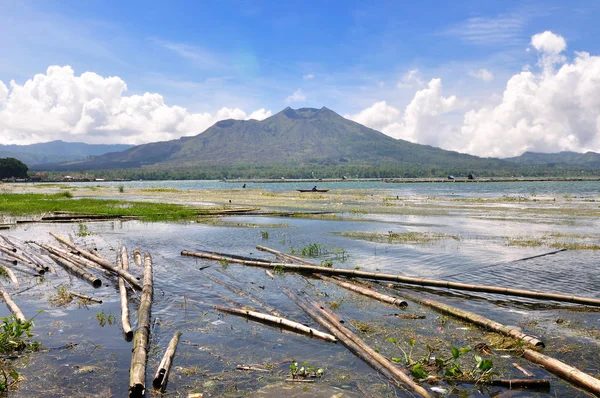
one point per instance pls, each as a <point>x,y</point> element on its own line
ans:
<point>312,190</point>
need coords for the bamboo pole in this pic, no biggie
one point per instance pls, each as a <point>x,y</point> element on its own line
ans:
<point>11,274</point>
<point>85,297</point>
<point>12,306</point>
<point>244,294</point>
<point>137,372</point>
<point>284,256</point>
<point>22,260</point>
<point>34,259</point>
<point>365,292</point>
<point>75,269</point>
<point>564,371</point>
<point>98,260</point>
<point>410,280</point>
<point>123,259</point>
<point>74,258</point>
<point>475,318</point>
<point>137,257</point>
<point>281,322</point>
<point>162,374</point>
<point>522,369</point>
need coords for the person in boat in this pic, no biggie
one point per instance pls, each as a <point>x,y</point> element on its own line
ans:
<point>314,189</point>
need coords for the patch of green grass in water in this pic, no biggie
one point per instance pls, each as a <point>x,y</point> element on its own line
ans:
<point>400,237</point>
<point>36,204</point>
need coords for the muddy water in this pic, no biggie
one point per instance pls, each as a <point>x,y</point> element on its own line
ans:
<point>84,356</point>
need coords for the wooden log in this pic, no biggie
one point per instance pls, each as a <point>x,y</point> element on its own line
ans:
<point>33,258</point>
<point>100,261</point>
<point>12,306</point>
<point>269,274</point>
<point>408,280</point>
<point>85,297</point>
<point>75,269</point>
<point>564,371</point>
<point>252,369</point>
<point>280,322</point>
<point>74,258</point>
<point>123,260</point>
<point>299,381</point>
<point>162,374</point>
<point>520,383</point>
<point>137,372</point>
<point>354,344</point>
<point>522,369</point>
<point>475,318</point>
<point>244,294</point>
<point>137,256</point>
<point>10,273</point>
<point>22,260</point>
<point>285,256</point>
<point>9,261</point>
<point>364,291</point>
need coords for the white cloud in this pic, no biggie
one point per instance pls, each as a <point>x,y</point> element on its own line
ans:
<point>3,91</point>
<point>502,30</point>
<point>298,96</point>
<point>421,120</point>
<point>482,74</point>
<point>412,78</point>
<point>260,114</point>
<point>550,46</point>
<point>308,77</point>
<point>94,109</point>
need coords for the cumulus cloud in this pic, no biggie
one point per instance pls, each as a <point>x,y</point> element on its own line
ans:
<point>94,109</point>
<point>308,77</point>
<point>550,46</point>
<point>298,96</point>
<point>421,120</point>
<point>482,74</point>
<point>411,78</point>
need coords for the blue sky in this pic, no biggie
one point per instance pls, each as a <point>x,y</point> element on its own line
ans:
<point>346,55</point>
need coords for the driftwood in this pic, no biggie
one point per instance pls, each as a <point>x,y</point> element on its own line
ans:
<point>74,258</point>
<point>75,269</point>
<point>85,297</point>
<point>474,318</point>
<point>284,256</point>
<point>269,274</point>
<point>299,381</point>
<point>564,371</point>
<point>365,291</point>
<point>104,263</point>
<point>280,322</point>
<point>244,294</point>
<point>137,372</point>
<point>357,346</point>
<point>162,374</point>
<point>137,257</point>
<point>520,383</point>
<point>32,257</point>
<point>123,260</point>
<point>252,368</point>
<point>522,369</point>
<point>406,280</point>
<point>11,275</point>
<point>12,255</point>
<point>13,307</point>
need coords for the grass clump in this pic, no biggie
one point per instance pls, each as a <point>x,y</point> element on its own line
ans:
<point>37,204</point>
<point>401,237</point>
<point>61,298</point>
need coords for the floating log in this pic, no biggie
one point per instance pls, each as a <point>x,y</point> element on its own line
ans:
<point>234,256</point>
<point>252,369</point>
<point>520,383</point>
<point>281,322</point>
<point>474,318</point>
<point>13,307</point>
<point>284,256</point>
<point>137,372</point>
<point>35,259</point>
<point>11,274</point>
<point>409,280</point>
<point>564,371</point>
<point>244,294</point>
<point>162,374</point>
<point>22,260</point>
<point>269,274</point>
<point>74,258</point>
<point>9,261</point>
<point>75,269</point>
<point>85,297</point>
<point>522,369</point>
<point>123,260</point>
<point>104,263</point>
<point>354,344</point>
<point>364,291</point>
<point>137,257</point>
<point>299,381</point>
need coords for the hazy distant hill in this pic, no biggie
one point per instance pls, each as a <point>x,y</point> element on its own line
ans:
<point>589,160</point>
<point>56,151</point>
<point>296,137</point>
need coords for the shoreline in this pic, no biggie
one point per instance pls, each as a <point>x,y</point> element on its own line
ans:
<point>413,180</point>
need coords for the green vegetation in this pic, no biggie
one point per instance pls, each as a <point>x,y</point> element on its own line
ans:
<point>570,242</point>
<point>14,337</point>
<point>82,230</point>
<point>264,234</point>
<point>401,237</point>
<point>11,167</point>
<point>303,371</point>
<point>104,319</point>
<point>61,298</point>
<point>34,204</point>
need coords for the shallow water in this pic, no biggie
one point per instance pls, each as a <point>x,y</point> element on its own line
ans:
<point>213,343</point>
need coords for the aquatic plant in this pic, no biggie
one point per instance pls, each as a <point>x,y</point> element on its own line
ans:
<point>264,234</point>
<point>304,370</point>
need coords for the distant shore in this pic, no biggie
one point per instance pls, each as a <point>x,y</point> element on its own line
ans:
<point>412,180</point>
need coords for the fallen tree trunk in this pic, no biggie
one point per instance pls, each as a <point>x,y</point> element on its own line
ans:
<point>13,307</point>
<point>98,260</point>
<point>123,260</point>
<point>162,374</point>
<point>11,275</point>
<point>357,346</point>
<point>409,280</point>
<point>75,269</point>
<point>564,371</point>
<point>365,292</point>
<point>281,322</point>
<point>475,318</point>
<point>137,372</point>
